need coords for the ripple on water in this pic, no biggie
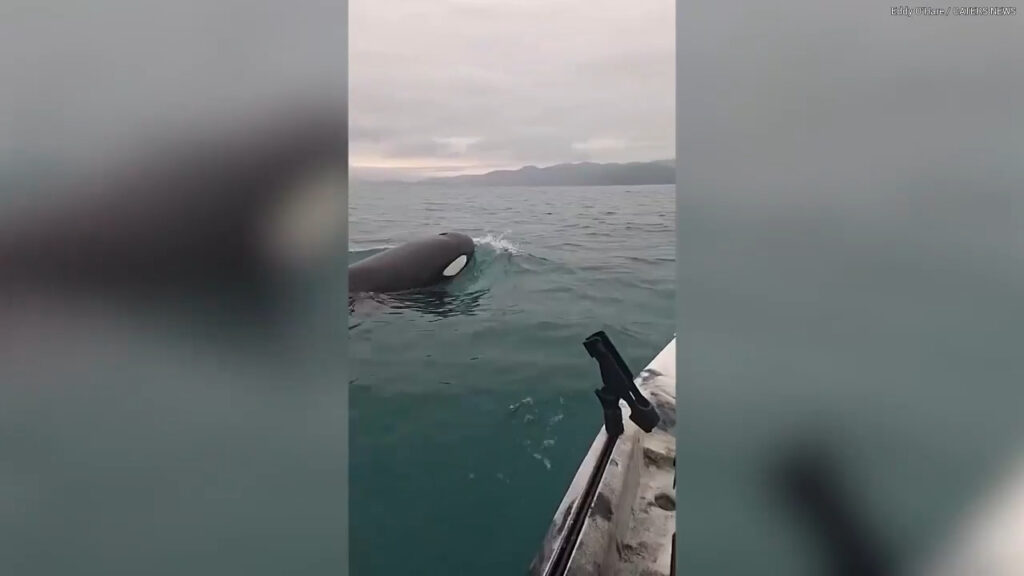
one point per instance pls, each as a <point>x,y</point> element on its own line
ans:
<point>507,338</point>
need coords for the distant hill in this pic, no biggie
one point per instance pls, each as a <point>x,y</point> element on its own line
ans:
<point>576,174</point>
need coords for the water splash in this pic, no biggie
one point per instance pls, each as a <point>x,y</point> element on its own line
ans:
<point>543,460</point>
<point>528,401</point>
<point>499,243</point>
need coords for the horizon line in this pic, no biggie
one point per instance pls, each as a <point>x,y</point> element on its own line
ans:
<point>490,171</point>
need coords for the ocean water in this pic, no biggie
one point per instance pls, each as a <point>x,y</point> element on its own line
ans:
<point>472,407</point>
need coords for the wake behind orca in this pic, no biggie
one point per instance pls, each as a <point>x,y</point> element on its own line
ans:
<point>417,264</point>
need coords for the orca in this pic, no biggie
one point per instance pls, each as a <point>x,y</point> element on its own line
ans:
<point>213,208</point>
<point>417,264</point>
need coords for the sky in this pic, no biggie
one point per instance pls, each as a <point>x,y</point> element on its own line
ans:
<point>465,86</point>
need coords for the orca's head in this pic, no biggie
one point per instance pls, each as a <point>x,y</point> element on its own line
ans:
<point>462,249</point>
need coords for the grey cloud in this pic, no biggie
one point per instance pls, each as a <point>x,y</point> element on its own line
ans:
<point>420,146</point>
<point>528,79</point>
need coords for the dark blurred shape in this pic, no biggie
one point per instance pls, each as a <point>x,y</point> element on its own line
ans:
<point>204,212</point>
<point>810,482</point>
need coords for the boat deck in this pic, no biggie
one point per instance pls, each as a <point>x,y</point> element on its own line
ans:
<point>629,527</point>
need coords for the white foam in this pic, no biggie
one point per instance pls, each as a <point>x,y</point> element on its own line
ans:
<point>499,243</point>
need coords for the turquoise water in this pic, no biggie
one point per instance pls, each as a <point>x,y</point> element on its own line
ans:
<point>472,408</point>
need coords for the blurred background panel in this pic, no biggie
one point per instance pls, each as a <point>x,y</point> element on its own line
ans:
<point>172,271</point>
<point>851,264</point>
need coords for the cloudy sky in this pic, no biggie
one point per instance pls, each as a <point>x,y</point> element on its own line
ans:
<point>464,86</point>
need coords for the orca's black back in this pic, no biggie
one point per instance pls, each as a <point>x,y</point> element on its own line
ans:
<point>412,265</point>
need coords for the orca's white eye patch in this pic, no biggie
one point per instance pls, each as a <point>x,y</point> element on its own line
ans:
<point>455,267</point>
